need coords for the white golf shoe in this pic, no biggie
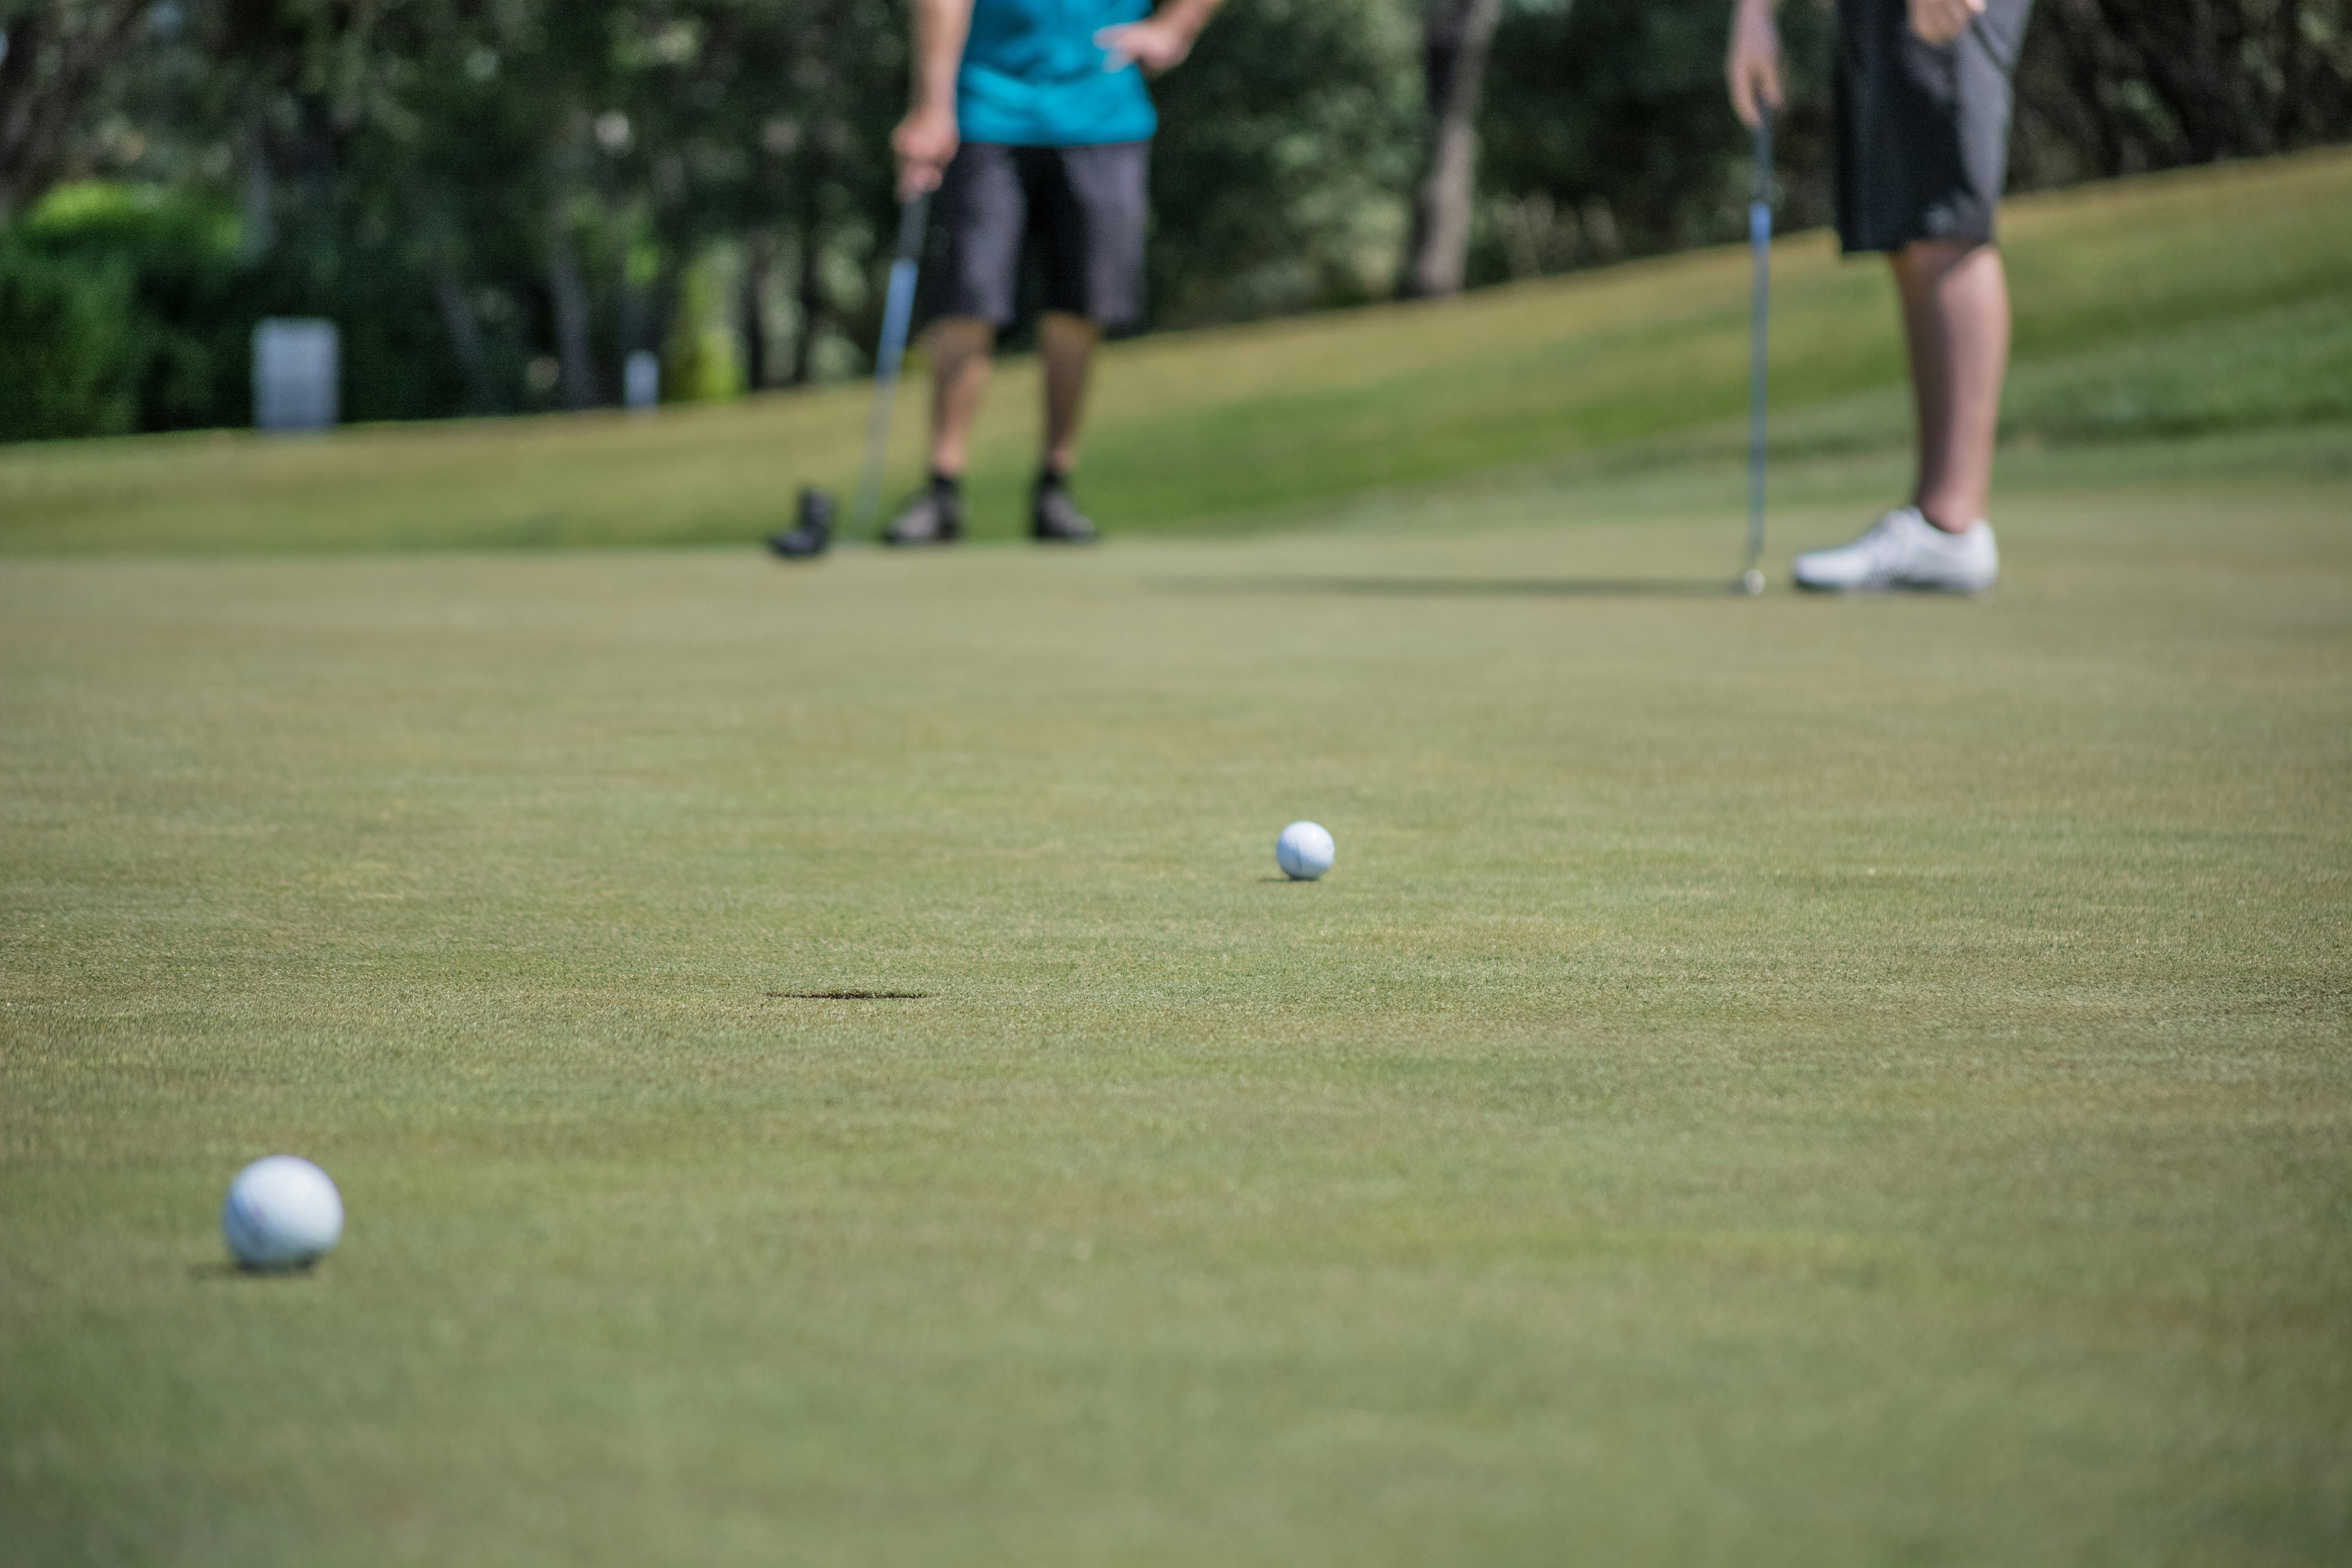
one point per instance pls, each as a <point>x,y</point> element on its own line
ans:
<point>1904,550</point>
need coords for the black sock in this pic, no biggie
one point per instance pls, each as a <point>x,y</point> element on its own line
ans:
<point>946,484</point>
<point>1052,479</point>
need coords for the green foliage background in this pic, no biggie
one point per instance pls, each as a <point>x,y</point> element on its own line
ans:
<point>446,178</point>
<point>118,305</point>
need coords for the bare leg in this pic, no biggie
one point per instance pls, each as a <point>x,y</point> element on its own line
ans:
<point>960,347</point>
<point>1956,315</point>
<point>1068,344</point>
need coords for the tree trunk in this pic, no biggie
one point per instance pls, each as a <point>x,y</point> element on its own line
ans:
<point>569,291</point>
<point>1454,39</point>
<point>21,131</point>
<point>2080,38</point>
<point>46,77</point>
<point>258,196</point>
<point>464,337</point>
<point>809,295</point>
<point>2287,126</point>
<point>759,260</point>
<point>661,301</point>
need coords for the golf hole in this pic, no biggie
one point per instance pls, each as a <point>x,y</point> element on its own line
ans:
<point>851,995</point>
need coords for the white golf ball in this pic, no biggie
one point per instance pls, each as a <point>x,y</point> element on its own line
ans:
<point>1304,851</point>
<point>281,1213</point>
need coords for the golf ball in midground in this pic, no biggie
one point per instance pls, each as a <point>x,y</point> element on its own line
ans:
<point>281,1213</point>
<point>1304,851</point>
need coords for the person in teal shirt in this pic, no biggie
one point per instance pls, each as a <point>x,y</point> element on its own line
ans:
<point>1030,120</point>
<point>1034,75</point>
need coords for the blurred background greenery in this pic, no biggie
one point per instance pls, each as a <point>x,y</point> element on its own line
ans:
<point>500,200</point>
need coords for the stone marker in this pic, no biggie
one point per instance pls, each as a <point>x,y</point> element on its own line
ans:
<point>297,374</point>
<point>641,380</point>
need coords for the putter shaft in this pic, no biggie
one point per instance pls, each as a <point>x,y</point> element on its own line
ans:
<point>897,314</point>
<point>1759,241</point>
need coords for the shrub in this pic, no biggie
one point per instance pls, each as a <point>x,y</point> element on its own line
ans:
<point>121,309</point>
<point>66,361</point>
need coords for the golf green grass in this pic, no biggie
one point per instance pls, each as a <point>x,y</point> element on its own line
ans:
<point>1772,1082</point>
<point>2201,302</point>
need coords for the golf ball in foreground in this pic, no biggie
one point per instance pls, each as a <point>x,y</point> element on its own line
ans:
<point>1304,851</point>
<point>281,1213</point>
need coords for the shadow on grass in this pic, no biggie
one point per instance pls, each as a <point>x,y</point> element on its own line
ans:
<point>1460,587</point>
<point>227,1270</point>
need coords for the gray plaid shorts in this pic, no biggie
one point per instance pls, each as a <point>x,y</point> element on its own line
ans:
<point>1082,209</point>
<point>1922,131</point>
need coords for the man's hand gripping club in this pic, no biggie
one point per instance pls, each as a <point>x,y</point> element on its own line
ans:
<point>925,141</point>
<point>1753,67</point>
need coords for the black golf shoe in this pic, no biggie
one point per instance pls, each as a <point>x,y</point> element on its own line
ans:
<point>810,531</point>
<point>1054,518</point>
<point>934,517</point>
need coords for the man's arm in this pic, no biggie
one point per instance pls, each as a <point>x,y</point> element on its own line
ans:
<point>1161,42</point>
<point>927,139</point>
<point>1940,21</point>
<point>1753,65</point>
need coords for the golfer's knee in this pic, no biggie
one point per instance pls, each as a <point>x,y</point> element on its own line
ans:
<point>1064,327</point>
<point>1935,256</point>
<point>962,335</point>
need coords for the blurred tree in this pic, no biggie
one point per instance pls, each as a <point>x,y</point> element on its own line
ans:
<point>1454,39</point>
<point>501,199</point>
<point>1608,133</point>
<point>2109,87</point>
<point>124,306</point>
<point>55,55</point>
<point>1605,131</point>
<point>1286,145</point>
<point>66,324</point>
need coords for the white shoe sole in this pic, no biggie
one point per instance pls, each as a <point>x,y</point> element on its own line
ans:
<point>1886,588</point>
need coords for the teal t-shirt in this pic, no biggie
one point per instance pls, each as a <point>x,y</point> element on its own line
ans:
<point>1033,76</point>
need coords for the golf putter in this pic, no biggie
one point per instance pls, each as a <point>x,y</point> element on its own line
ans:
<point>1759,245</point>
<point>897,314</point>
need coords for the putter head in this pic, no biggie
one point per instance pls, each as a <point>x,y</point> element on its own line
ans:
<point>811,529</point>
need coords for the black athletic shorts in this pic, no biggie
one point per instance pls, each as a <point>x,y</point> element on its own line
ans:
<point>1083,208</point>
<point>1923,130</point>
